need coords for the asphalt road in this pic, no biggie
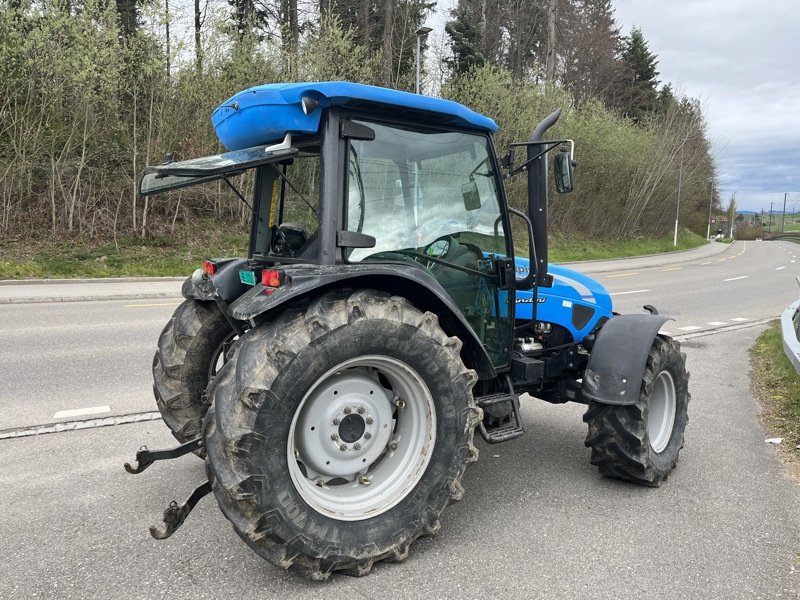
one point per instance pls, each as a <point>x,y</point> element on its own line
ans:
<point>537,520</point>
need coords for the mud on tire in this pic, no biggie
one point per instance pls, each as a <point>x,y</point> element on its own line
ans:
<point>314,504</point>
<point>641,442</point>
<point>188,351</point>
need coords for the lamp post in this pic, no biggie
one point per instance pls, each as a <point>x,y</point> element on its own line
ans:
<point>678,208</point>
<point>421,32</point>
<point>710,204</point>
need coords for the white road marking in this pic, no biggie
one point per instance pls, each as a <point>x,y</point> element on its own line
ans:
<point>673,269</point>
<point>622,275</point>
<point>717,323</point>
<point>779,268</point>
<point>148,305</point>
<point>740,319</point>
<point>81,412</point>
<point>630,292</point>
<point>735,278</point>
<point>690,328</point>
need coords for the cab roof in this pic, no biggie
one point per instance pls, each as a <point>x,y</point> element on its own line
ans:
<point>266,113</point>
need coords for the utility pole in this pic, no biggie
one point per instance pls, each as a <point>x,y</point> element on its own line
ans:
<point>710,202</point>
<point>769,229</point>
<point>783,218</point>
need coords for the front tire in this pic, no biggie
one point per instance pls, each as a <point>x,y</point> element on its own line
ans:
<point>641,442</point>
<point>339,433</point>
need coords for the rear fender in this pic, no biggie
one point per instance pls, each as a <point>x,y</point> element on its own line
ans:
<point>619,358</point>
<point>224,282</point>
<point>414,283</point>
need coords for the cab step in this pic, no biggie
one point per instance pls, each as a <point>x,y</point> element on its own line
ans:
<point>507,431</point>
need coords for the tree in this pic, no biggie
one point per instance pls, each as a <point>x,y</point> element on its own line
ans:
<point>640,79</point>
<point>590,51</point>
<point>465,40</point>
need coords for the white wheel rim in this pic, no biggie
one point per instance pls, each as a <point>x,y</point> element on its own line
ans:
<point>361,438</point>
<point>661,412</point>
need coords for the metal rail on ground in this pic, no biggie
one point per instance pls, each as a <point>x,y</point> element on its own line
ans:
<point>790,328</point>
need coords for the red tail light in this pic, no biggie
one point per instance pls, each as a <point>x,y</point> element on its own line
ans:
<point>271,278</point>
<point>209,267</point>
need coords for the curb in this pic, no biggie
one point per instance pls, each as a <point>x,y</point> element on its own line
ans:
<point>93,280</point>
<point>51,300</point>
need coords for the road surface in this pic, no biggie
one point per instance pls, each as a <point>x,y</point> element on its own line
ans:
<point>537,520</point>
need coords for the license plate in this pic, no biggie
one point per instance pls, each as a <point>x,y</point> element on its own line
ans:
<point>247,277</point>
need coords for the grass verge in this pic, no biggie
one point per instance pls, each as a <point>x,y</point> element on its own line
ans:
<point>179,252</point>
<point>172,253</point>
<point>777,385</point>
<point>571,249</point>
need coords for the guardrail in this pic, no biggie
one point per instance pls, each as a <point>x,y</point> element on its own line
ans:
<point>790,330</point>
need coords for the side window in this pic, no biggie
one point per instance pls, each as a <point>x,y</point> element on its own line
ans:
<point>294,208</point>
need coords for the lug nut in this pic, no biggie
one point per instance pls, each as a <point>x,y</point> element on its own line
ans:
<point>343,447</point>
<point>347,410</point>
<point>334,437</point>
<point>361,410</point>
<point>367,435</point>
<point>369,421</point>
<point>356,446</point>
<point>336,421</point>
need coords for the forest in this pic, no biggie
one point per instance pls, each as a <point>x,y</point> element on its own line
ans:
<point>92,91</point>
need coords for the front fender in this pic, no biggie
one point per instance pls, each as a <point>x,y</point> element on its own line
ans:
<point>619,358</point>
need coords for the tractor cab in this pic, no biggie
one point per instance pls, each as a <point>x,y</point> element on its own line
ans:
<point>411,196</point>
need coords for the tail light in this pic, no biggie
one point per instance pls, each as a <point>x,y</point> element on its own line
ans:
<point>209,267</point>
<point>271,278</point>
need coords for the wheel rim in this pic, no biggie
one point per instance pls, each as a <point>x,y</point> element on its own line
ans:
<point>221,354</point>
<point>361,438</point>
<point>661,411</point>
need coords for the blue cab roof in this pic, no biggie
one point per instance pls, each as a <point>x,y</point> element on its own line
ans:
<point>265,113</point>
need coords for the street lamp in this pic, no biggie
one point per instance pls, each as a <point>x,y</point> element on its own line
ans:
<point>678,208</point>
<point>421,32</point>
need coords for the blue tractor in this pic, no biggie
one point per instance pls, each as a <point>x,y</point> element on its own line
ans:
<point>332,380</point>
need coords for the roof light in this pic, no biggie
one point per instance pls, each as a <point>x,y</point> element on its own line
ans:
<point>309,104</point>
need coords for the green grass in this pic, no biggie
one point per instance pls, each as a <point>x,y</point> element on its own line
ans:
<point>778,386</point>
<point>177,253</point>
<point>571,249</point>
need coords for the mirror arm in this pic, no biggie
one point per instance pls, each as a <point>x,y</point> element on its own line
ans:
<point>550,144</point>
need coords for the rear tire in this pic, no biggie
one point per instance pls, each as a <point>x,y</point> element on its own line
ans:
<point>641,442</point>
<point>190,349</point>
<point>367,372</point>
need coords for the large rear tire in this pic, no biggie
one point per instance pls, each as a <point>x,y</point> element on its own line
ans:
<point>191,348</point>
<point>340,432</point>
<point>641,442</point>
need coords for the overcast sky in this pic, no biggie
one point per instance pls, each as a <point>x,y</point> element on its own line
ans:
<point>741,58</point>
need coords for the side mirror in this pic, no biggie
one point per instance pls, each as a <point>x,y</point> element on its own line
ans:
<point>562,165</point>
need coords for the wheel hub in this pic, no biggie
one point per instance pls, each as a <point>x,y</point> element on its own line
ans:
<point>352,428</point>
<point>345,425</point>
